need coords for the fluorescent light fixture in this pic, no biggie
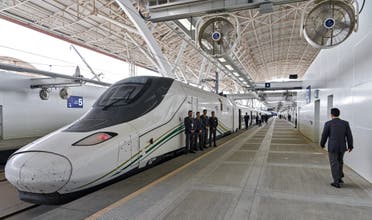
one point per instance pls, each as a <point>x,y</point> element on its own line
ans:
<point>241,79</point>
<point>245,83</point>
<point>207,44</point>
<point>236,74</point>
<point>186,23</point>
<point>222,60</point>
<point>229,67</point>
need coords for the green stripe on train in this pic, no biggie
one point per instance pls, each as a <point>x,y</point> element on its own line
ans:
<point>179,128</point>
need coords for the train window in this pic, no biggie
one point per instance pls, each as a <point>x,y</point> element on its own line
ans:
<point>122,94</point>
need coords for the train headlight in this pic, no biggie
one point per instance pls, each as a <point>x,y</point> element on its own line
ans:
<point>94,139</point>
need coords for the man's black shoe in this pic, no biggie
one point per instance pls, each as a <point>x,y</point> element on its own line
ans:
<point>337,185</point>
<point>341,181</point>
<point>193,152</point>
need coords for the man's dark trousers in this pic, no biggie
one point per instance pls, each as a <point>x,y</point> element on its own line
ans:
<point>212,136</point>
<point>205,137</point>
<point>189,140</point>
<point>200,142</point>
<point>336,159</point>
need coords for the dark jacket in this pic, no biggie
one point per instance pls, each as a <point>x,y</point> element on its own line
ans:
<point>189,125</point>
<point>213,122</point>
<point>246,118</point>
<point>199,124</point>
<point>337,132</point>
<point>205,121</point>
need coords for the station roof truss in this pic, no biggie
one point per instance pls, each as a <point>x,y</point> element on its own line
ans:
<point>270,45</point>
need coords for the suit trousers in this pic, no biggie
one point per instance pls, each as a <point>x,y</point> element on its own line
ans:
<point>189,140</point>
<point>336,160</point>
<point>200,141</point>
<point>205,137</point>
<point>212,136</point>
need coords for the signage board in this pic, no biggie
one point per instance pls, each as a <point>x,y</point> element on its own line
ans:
<point>75,102</point>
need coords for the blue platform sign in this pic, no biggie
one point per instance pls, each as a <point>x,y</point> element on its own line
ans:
<point>75,102</point>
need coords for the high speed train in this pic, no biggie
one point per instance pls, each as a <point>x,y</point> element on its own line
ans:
<point>134,123</point>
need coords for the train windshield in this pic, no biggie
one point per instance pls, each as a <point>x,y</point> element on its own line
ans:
<point>124,101</point>
<point>121,94</point>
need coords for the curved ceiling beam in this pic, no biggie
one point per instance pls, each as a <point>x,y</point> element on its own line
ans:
<point>163,65</point>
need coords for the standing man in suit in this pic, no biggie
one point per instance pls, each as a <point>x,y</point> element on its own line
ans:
<point>246,119</point>
<point>189,123</point>
<point>337,132</point>
<point>198,132</point>
<point>213,123</point>
<point>259,119</point>
<point>205,129</point>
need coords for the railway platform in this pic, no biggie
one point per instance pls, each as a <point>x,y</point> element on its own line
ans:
<point>265,173</point>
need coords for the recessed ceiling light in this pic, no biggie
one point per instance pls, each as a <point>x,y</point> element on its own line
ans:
<point>229,67</point>
<point>241,79</point>
<point>236,74</point>
<point>222,60</point>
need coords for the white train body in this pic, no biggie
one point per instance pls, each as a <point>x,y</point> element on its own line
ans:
<point>54,165</point>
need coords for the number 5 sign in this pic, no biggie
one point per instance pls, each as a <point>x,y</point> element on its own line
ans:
<point>75,102</point>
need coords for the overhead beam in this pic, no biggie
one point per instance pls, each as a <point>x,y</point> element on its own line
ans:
<point>132,13</point>
<point>179,9</point>
<point>50,74</point>
<point>279,85</point>
<point>179,59</point>
<point>244,96</point>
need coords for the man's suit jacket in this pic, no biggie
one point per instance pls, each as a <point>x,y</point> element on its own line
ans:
<point>337,132</point>
<point>213,123</point>
<point>205,121</point>
<point>189,125</point>
<point>199,124</point>
<point>246,118</point>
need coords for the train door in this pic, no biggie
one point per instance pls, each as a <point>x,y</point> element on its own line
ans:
<point>316,120</point>
<point>1,122</point>
<point>240,119</point>
<point>129,147</point>
<point>298,117</point>
<point>329,105</point>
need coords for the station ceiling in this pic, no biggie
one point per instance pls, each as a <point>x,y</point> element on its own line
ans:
<point>270,47</point>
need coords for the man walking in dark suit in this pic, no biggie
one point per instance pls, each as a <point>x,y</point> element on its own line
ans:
<point>246,119</point>
<point>337,132</point>
<point>205,121</point>
<point>189,123</point>
<point>213,123</point>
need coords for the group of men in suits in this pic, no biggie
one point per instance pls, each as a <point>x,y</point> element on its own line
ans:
<point>196,130</point>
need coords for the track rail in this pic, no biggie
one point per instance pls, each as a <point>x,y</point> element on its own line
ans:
<point>32,206</point>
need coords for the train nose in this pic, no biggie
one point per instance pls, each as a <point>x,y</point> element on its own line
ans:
<point>38,172</point>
